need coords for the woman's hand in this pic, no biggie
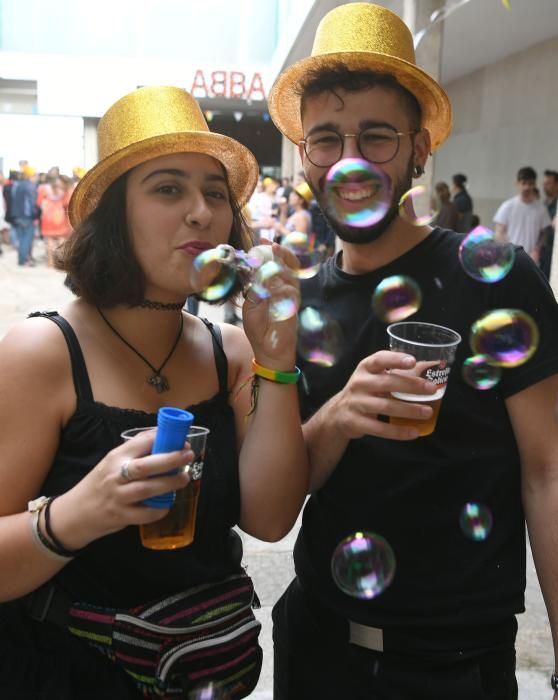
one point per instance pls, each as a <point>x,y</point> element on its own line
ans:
<point>111,496</point>
<point>274,341</point>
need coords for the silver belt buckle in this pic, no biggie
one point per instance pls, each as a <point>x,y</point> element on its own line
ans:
<point>365,636</point>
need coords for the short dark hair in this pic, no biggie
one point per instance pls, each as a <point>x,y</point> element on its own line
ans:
<point>459,180</point>
<point>552,173</point>
<point>99,259</point>
<point>340,75</point>
<point>526,173</point>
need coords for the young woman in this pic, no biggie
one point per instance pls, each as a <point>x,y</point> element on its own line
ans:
<point>165,189</point>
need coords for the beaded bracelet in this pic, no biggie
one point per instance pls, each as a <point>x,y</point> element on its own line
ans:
<point>276,376</point>
<point>35,507</point>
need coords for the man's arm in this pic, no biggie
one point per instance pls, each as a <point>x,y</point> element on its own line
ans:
<point>501,231</point>
<point>355,410</point>
<point>532,413</point>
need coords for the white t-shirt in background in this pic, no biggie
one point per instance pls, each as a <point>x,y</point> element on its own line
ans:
<point>523,220</point>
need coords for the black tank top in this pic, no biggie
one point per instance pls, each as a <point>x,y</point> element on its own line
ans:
<point>117,570</point>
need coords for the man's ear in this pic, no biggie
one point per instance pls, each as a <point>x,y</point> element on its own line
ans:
<point>423,146</point>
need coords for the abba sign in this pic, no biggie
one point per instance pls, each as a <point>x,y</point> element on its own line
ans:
<point>228,84</point>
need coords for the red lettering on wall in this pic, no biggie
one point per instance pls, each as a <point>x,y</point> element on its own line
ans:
<point>256,88</point>
<point>199,84</point>
<point>228,84</point>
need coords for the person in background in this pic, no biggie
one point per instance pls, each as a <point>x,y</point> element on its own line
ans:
<point>23,211</point>
<point>447,216</point>
<point>463,203</point>
<point>300,218</point>
<point>523,220</point>
<point>550,187</point>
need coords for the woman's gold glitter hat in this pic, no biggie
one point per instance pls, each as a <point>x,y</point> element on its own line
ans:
<point>152,122</point>
<point>362,36</point>
<point>303,190</point>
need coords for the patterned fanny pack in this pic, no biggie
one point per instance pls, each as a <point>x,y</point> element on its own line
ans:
<point>205,637</point>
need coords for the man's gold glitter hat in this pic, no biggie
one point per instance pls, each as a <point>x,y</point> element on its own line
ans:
<point>362,36</point>
<point>152,122</point>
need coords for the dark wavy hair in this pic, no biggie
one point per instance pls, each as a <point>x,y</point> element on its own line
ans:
<point>339,75</point>
<point>99,258</point>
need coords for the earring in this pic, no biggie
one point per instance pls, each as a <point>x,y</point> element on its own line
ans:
<point>418,170</point>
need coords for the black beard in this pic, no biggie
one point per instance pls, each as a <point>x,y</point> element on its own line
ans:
<point>367,234</point>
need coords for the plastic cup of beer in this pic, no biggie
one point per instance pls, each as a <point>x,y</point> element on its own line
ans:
<point>434,349</point>
<point>177,529</point>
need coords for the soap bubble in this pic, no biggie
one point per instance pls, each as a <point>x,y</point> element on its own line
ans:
<point>507,337</point>
<point>320,338</point>
<point>479,374</point>
<point>363,565</point>
<point>416,206</point>
<point>358,192</point>
<point>309,260</point>
<point>476,521</point>
<point>483,257</point>
<point>281,307</point>
<point>396,298</point>
<point>213,273</point>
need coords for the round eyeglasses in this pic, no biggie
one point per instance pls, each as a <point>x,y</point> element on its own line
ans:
<point>376,144</point>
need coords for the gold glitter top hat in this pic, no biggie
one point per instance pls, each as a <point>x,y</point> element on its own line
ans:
<point>303,190</point>
<point>362,36</point>
<point>152,122</point>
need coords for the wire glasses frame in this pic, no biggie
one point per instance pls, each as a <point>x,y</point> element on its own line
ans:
<point>376,145</point>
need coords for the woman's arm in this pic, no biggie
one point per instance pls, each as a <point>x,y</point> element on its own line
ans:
<point>273,467</point>
<point>37,399</point>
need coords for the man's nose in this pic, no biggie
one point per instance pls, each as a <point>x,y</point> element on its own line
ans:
<point>350,146</point>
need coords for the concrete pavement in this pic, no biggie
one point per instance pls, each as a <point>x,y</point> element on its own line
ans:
<point>29,289</point>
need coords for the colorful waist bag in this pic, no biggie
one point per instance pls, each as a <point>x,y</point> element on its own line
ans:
<point>204,637</point>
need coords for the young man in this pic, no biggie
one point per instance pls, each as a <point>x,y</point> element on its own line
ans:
<point>550,187</point>
<point>524,219</point>
<point>445,627</point>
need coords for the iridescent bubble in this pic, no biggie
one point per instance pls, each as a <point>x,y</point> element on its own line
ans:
<point>263,277</point>
<point>282,309</point>
<point>309,260</point>
<point>320,338</point>
<point>507,337</point>
<point>479,374</point>
<point>281,306</point>
<point>476,521</point>
<point>363,565</point>
<point>257,256</point>
<point>483,257</point>
<point>358,192</point>
<point>213,273</point>
<point>396,298</point>
<point>417,206</point>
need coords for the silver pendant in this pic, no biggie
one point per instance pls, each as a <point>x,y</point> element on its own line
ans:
<point>159,382</point>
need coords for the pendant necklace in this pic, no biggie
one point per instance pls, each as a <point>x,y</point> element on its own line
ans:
<point>156,380</point>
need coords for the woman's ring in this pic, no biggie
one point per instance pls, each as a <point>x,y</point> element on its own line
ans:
<point>125,472</point>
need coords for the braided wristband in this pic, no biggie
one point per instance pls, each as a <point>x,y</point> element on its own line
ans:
<point>41,541</point>
<point>58,546</point>
<point>276,376</point>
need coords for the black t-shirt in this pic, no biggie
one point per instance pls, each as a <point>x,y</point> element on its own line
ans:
<point>412,493</point>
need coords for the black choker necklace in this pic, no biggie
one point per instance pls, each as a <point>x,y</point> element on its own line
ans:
<point>161,305</point>
<point>157,380</point>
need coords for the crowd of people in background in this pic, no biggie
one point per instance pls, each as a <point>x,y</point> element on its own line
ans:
<point>524,219</point>
<point>278,208</point>
<point>35,205</point>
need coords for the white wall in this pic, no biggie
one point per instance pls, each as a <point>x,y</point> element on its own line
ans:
<point>504,118</point>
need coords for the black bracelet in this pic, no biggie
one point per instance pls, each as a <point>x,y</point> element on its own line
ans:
<point>58,547</point>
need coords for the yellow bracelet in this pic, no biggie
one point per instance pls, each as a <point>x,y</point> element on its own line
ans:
<point>274,375</point>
